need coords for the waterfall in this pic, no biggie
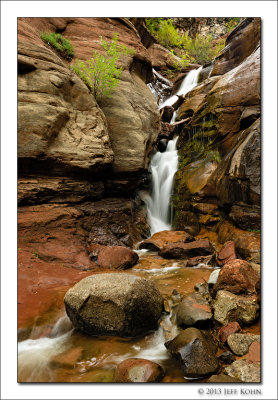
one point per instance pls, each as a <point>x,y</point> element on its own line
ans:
<point>163,167</point>
<point>189,82</point>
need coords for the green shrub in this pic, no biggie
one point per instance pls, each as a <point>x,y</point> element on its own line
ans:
<point>232,23</point>
<point>60,43</point>
<point>101,72</point>
<point>199,50</point>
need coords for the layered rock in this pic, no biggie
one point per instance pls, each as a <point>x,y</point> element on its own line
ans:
<point>219,144</point>
<point>114,304</point>
<point>72,129</point>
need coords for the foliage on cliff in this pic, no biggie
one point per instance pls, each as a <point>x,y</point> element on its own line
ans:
<point>101,72</point>
<point>200,49</point>
<point>59,43</point>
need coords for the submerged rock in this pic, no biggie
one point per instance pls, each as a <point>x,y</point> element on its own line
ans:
<point>138,370</point>
<point>228,308</point>
<point>194,310</point>
<point>196,351</point>
<point>239,343</point>
<point>246,372</point>
<point>114,304</point>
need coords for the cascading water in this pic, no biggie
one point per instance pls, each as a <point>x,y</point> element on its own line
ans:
<point>163,167</point>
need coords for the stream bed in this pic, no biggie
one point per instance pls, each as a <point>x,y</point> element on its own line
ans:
<point>60,354</point>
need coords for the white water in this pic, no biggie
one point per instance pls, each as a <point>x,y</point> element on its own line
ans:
<point>163,167</point>
<point>189,82</point>
<point>34,355</point>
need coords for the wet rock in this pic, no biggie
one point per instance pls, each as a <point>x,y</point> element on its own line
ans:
<point>247,243</point>
<point>167,130</point>
<point>246,372</point>
<point>138,370</point>
<point>238,277</point>
<point>67,359</point>
<point>192,262</point>
<point>240,43</point>
<point>194,310</point>
<point>226,254</point>
<point>202,288</point>
<point>115,257</point>
<point>225,331</point>
<point>254,353</point>
<point>166,115</point>
<point>246,216</point>
<point>229,307</point>
<point>227,357</point>
<point>221,378</point>
<point>114,304</point>
<point>196,351</point>
<point>161,239</point>
<point>239,343</point>
<point>187,250</point>
<point>162,145</point>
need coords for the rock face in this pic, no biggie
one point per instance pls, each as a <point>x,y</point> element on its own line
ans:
<point>194,310</point>
<point>59,121</point>
<point>114,304</point>
<point>196,351</point>
<point>219,144</point>
<point>238,277</point>
<point>73,130</point>
<point>138,370</point>
<point>240,43</point>
<point>230,308</point>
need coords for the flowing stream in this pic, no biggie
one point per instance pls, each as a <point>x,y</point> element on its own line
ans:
<point>163,167</point>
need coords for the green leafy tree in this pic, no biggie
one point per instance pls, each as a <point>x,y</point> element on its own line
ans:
<point>101,72</point>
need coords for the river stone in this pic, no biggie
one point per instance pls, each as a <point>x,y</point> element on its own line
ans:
<point>194,310</point>
<point>196,351</point>
<point>227,357</point>
<point>213,277</point>
<point>113,257</point>
<point>239,343</point>
<point>114,304</point>
<point>246,372</point>
<point>225,331</point>
<point>161,239</point>
<point>187,250</point>
<point>138,370</point>
<point>238,277</point>
<point>221,378</point>
<point>226,254</point>
<point>229,308</point>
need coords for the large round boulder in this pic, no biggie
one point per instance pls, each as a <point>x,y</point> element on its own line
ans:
<point>114,304</point>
